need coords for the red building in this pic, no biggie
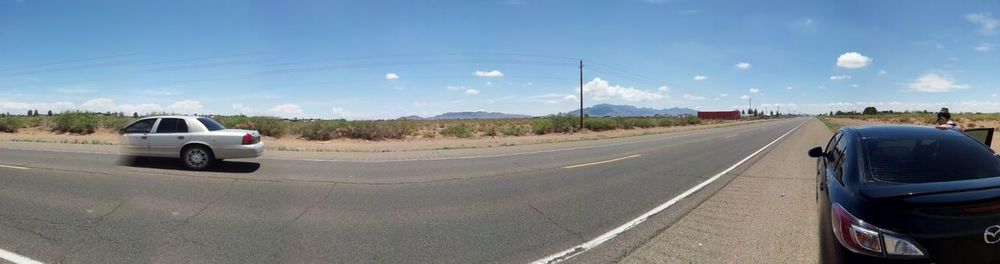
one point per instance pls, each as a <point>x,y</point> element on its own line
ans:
<point>724,115</point>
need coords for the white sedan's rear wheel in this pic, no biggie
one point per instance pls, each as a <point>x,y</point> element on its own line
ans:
<point>198,158</point>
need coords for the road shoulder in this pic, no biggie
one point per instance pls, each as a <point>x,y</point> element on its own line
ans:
<point>766,214</point>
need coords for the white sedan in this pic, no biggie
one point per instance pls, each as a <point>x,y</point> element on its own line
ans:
<point>199,141</point>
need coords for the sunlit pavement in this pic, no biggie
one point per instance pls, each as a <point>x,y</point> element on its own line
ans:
<point>101,208</point>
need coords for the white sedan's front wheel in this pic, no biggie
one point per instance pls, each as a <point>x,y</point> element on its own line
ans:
<point>198,158</point>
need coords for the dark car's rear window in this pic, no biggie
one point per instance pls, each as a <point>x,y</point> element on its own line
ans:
<point>210,124</point>
<point>922,160</point>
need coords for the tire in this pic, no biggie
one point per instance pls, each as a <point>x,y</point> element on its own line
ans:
<point>198,158</point>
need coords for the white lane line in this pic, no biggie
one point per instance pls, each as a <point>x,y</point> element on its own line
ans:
<point>13,167</point>
<point>18,259</point>
<point>569,253</point>
<point>601,162</point>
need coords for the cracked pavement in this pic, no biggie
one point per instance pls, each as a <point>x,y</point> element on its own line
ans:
<point>96,208</point>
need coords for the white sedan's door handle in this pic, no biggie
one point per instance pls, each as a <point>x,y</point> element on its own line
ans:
<point>180,137</point>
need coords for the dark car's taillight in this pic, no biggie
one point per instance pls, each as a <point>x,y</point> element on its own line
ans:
<point>247,139</point>
<point>864,238</point>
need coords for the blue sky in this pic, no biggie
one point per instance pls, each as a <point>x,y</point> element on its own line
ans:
<point>385,59</point>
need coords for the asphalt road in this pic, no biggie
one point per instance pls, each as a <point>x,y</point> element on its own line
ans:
<point>101,208</point>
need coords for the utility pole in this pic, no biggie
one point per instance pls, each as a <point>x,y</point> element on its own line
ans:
<point>581,95</point>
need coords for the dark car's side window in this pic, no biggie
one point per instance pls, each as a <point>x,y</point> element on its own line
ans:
<point>172,125</point>
<point>841,158</point>
<point>832,143</point>
<point>141,126</point>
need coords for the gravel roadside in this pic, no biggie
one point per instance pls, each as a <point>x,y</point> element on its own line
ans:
<point>767,214</point>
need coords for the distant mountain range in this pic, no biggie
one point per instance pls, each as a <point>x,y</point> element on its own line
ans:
<point>600,110</point>
<point>467,115</point>
<point>628,110</point>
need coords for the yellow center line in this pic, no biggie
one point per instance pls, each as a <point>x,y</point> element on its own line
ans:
<point>601,162</point>
<point>13,167</point>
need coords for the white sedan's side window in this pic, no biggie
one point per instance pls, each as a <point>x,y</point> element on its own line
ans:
<point>172,125</point>
<point>142,126</point>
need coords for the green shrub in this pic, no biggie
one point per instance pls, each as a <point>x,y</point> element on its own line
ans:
<point>563,124</point>
<point>460,130</point>
<point>667,122</point>
<point>270,126</point>
<point>624,123</point>
<point>113,123</point>
<point>376,130</point>
<point>9,124</point>
<point>644,122</point>
<point>75,123</point>
<point>541,127</point>
<point>599,124</point>
<point>323,129</point>
<point>267,126</point>
<point>515,130</point>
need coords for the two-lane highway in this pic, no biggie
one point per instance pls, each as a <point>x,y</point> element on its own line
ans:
<point>518,207</point>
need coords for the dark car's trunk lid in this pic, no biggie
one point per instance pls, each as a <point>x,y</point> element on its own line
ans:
<point>948,219</point>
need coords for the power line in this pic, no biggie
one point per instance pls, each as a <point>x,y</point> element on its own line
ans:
<point>65,62</point>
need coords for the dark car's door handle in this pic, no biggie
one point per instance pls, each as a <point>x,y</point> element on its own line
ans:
<point>180,137</point>
<point>143,137</point>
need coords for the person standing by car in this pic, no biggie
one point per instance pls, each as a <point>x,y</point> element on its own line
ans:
<point>944,121</point>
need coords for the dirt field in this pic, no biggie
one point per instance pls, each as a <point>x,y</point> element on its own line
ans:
<point>354,145</point>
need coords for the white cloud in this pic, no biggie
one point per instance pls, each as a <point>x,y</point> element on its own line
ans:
<point>489,83</point>
<point>663,88</point>
<point>840,77</point>
<point>286,110</point>
<point>22,107</point>
<point>468,91</point>
<point>855,85</point>
<point>853,60</point>
<point>108,105</point>
<point>340,112</point>
<point>882,72</point>
<point>493,73</point>
<point>241,109</point>
<point>985,47</point>
<point>743,65</point>
<point>935,83</point>
<point>987,24</point>
<point>754,90</point>
<point>700,77</point>
<point>571,98</point>
<point>391,76</point>
<point>99,104</point>
<point>723,95</point>
<point>994,95</point>
<point>600,90</point>
<point>744,97</point>
<point>693,97</point>
<point>789,88</point>
<point>186,107</point>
